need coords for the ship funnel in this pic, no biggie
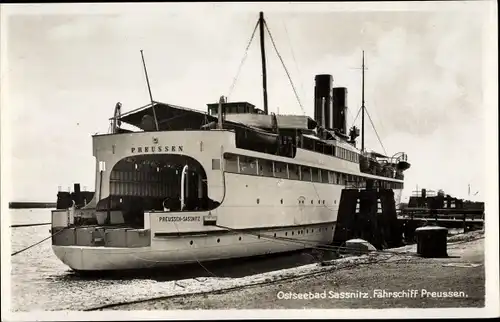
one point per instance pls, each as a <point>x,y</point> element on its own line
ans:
<point>339,109</point>
<point>323,100</point>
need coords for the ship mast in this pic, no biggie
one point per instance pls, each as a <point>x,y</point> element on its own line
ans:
<point>263,55</point>
<point>363,104</point>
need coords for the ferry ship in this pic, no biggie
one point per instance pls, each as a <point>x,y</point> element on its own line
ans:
<point>235,181</point>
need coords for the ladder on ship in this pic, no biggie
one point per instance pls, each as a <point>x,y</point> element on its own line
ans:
<point>369,214</point>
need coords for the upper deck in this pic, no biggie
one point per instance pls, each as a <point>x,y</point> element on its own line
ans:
<point>278,135</point>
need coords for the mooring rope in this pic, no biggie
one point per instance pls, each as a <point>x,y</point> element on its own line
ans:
<point>37,243</point>
<point>29,225</point>
<point>336,248</point>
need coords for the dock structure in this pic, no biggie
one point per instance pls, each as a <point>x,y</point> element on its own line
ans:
<point>466,219</point>
<point>369,214</point>
<point>426,209</point>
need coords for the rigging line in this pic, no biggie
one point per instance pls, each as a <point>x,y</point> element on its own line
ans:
<point>380,123</point>
<point>294,60</point>
<point>359,110</point>
<point>196,258</point>
<point>318,246</point>
<point>286,70</point>
<point>284,240</point>
<point>348,112</point>
<point>26,248</point>
<point>354,121</point>
<point>380,141</point>
<point>242,61</point>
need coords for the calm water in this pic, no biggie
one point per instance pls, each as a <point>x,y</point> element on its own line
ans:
<point>41,282</point>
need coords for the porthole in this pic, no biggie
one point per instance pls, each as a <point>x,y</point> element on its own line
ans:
<point>239,238</point>
<point>281,201</point>
<point>258,236</point>
<point>335,202</point>
<point>191,243</point>
<point>319,202</point>
<point>218,240</point>
<point>293,233</point>
<point>312,230</point>
<point>274,234</point>
<point>323,202</point>
<point>258,200</point>
<point>311,202</point>
<point>307,231</point>
<point>286,233</point>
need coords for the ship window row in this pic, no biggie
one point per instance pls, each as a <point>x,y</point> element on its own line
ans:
<point>347,155</point>
<point>268,168</point>
<point>328,149</point>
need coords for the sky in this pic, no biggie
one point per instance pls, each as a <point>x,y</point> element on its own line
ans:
<point>68,65</point>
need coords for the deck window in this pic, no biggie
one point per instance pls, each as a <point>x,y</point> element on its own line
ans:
<point>318,147</point>
<point>331,177</point>
<point>230,163</point>
<point>248,165</point>
<point>324,176</point>
<point>305,173</point>
<point>328,149</point>
<point>315,175</point>
<point>293,172</point>
<point>280,170</point>
<point>215,165</point>
<point>266,168</point>
<point>308,144</point>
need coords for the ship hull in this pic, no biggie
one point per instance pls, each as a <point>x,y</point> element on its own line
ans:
<point>179,250</point>
<point>289,215</point>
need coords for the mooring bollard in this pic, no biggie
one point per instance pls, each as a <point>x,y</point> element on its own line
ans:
<point>432,241</point>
